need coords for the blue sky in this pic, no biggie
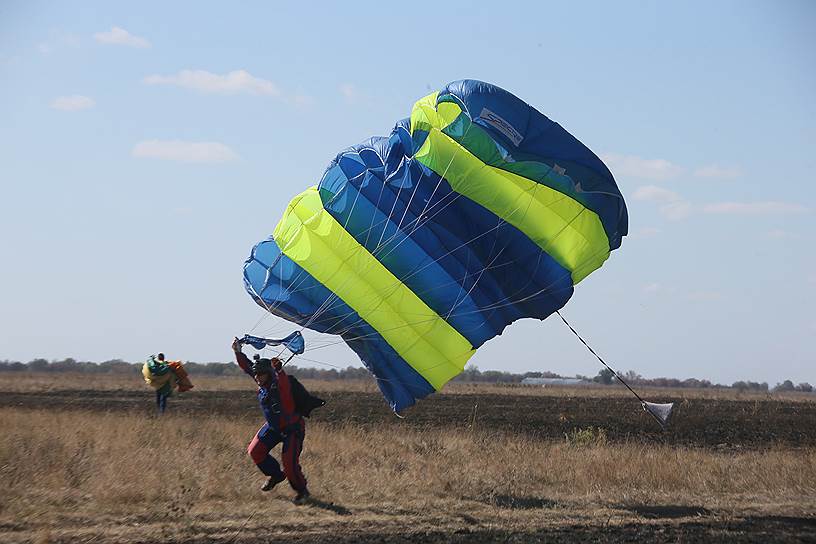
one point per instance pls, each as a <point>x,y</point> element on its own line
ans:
<point>146,147</point>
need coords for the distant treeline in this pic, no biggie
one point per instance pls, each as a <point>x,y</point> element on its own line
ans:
<point>470,375</point>
<point>118,366</point>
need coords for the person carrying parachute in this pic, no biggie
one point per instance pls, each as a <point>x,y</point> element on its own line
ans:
<point>284,402</point>
<point>164,377</point>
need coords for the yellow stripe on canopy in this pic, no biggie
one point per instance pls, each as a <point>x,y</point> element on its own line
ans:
<point>561,226</point>
<point>313,239</point>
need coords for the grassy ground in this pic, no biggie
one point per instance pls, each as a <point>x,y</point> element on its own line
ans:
<point>90,475</point>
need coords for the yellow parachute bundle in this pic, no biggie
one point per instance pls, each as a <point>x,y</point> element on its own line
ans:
<point>166,375</point>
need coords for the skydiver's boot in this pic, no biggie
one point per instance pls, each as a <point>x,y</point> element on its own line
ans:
<point>272,482</point>
<point>302,497</point>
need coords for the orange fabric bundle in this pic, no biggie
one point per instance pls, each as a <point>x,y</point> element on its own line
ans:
<point>184,383</point>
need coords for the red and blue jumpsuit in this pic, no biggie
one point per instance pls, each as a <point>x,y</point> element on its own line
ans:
<point>283,424</point>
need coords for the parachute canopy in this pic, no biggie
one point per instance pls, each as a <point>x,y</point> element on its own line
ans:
<point>418,247</point>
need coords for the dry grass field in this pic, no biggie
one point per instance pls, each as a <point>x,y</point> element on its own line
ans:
<point>84,459</point>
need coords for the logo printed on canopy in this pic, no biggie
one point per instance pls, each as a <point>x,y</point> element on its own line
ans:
<point>497,122</point>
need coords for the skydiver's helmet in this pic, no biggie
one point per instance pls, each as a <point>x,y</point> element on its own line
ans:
<point>262,366</point>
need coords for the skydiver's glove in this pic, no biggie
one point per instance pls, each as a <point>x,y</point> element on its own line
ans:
<point>236,345</point>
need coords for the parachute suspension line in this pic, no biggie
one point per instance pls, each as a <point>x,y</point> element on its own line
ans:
<point>380,244</point>
<point>377,378</point>
<point>372,225</point>
<point>417,222</point>
<point>438,183</point>
<point>649,407</point>
<point>324,306</point>
<point>646,405</point>
<point>329,301</point>
<point>391,212</point>
<point>266,306</point>
<point>509,299</point>
<point>302,277</point>
<point>398,282</point>
<point>499,225</point>
<point>485,308</point>
<point>421,267</point>
<point>327,304</point>
<point>379,199</point>
<point>416,186</point>
<point>419,294</point>
<point>481,272</point>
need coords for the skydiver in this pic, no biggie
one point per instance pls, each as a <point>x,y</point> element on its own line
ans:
<point>164,377</point>
<point>163,392</point>
<point>283,424</point>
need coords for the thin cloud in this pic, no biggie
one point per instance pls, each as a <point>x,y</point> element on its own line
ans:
<point>715,171</point>
<point>120,36</point>
<point>235,82</point>
<point>72,103</point>
<point>672,205</point>
<point>676,210</point>
<point>189,152</point>
<point>638,167</point>
<point>754,208</point>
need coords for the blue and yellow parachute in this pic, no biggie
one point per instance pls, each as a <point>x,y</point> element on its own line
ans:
<point>419,247</point>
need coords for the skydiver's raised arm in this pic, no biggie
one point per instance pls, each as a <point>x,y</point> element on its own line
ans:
<point>241,358</point>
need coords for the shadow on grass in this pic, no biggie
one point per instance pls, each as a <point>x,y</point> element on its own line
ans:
<point>667,511</point>
<point>786,520</point>
<point>512,502</point>
<point>330,506</point>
